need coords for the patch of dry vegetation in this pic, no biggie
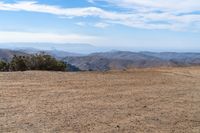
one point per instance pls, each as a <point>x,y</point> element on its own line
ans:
<point>140,100</point>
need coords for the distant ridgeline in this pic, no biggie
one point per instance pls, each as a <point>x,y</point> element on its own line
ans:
<point>54,60</point>
<point>35,62</point>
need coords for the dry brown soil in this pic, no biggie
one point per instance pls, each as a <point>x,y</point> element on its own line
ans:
<point>164,100</point>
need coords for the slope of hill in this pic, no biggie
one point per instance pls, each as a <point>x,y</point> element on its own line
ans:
<point>172,55</point>
<point>126,59</point>
<point>7,55</point>
<point>180,59</point>
<point>113,60</point>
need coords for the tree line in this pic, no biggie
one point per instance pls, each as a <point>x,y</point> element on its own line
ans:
<point>35,62</point>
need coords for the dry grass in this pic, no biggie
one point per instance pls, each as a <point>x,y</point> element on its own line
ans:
<point>141,101</point>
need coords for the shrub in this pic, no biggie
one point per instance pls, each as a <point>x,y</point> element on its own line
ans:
<point>3,66</point>
<point>36,62</point>
<point>18,63</point>
<point>46,62</point>
<point>72,68</point>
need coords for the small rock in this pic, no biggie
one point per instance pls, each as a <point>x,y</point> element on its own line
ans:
<point>118,126</point>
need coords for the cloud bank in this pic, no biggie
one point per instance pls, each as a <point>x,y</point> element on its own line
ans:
<point>45,37</point>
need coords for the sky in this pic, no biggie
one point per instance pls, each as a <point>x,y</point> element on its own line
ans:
<point>141,25</point>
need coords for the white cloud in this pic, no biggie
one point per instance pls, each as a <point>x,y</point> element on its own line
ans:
<point>81,23</point>
<point>91,1</point>
<point>170,5</point>
<point>101,25</point>
<point>6,36</point>
<point>148,14</point>
<point>35,7</point>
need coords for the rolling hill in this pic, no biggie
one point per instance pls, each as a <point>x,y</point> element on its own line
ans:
<point>7,55</point>
<point>125,59</point>
<point>104,61</point>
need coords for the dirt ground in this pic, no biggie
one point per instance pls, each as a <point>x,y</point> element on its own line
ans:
<point>163,100</point>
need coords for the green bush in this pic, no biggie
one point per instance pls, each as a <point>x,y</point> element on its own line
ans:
<point>3,66</point>
<point>46,62</point>
<point>36,62</point>
<point>18,63</point>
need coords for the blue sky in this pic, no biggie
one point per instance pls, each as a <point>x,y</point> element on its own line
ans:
<point>155,25</point>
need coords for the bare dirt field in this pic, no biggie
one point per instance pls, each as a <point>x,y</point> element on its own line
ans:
<point>163,100</point>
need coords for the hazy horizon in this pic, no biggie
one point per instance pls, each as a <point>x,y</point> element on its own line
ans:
<point>83,48</point>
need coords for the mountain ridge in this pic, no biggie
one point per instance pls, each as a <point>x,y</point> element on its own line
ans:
<point>127,59</point>
<point>103,61</point>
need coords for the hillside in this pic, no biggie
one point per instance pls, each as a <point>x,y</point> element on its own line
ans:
<point>114,60</point>
<point>140,100</point>
<point>126,59</point>
<point>7,55</point>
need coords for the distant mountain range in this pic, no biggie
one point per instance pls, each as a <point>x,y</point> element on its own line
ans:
<point>7,54</point>
<point>55,53</point>
<point>126,59</point>
<point>80,48</point>
<point>103,61</point>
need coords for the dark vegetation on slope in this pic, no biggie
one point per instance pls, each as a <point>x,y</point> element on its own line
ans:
<point>36,62</point>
